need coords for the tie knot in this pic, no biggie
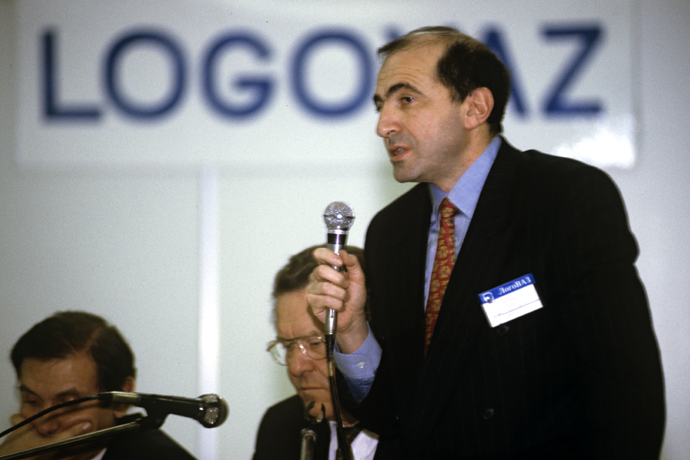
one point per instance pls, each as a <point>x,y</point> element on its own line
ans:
<point>447,209</point>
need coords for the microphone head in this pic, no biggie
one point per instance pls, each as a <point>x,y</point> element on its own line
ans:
<point>338,217</point>
<point>215,411</point>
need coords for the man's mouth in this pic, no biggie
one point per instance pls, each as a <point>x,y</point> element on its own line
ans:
<point>395,151</point>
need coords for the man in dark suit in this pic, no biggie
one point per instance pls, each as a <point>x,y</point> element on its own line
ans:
<point>300,347</point>
<point>72,355</point>
<point>533,338</point>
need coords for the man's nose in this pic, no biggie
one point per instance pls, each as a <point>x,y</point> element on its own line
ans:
<point>388,122</point>
<point>48,425</point>
<point>299,363</point>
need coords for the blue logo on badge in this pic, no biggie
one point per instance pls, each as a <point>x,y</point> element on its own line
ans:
<point>507,288</point>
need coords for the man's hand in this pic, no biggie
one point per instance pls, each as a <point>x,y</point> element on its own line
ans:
<point>343,291</point>
<point>27,437</point>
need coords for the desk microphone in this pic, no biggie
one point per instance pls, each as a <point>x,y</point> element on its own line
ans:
<point>209,410</point>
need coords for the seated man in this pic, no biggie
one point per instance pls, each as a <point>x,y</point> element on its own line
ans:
<point>68,356</point>
<point>300,347</point>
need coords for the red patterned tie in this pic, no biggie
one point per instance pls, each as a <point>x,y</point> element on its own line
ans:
<point>443,266</point>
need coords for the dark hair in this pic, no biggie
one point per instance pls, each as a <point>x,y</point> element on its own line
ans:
<point>69,332</point>
<point>294,275</point>
<point>466,65</point>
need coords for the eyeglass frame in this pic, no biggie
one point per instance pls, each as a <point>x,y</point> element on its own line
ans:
<point>296,340</point>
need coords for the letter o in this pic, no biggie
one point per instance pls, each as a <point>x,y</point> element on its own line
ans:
<point>299,77</point>
<point>112,83</point>
<point>262,87</point>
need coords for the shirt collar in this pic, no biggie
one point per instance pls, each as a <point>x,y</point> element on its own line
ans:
<point>465,192</point>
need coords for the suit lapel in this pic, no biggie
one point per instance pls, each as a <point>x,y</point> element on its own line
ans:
<point>406,314</point>
<point>461,319</point>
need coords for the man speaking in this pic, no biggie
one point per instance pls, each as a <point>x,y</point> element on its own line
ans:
<point>508,319</point>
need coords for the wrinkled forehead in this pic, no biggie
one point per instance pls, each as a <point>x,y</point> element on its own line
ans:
<point>412,67</point>
<point>424,54</point>
<point>294,317</point>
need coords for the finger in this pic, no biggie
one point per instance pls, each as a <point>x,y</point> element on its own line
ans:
<point>320,303</point>
<point>79,428</point>
<point>336,288</point>
<point>351,261</point>
<point>326,274</point>
<point>325,256</point>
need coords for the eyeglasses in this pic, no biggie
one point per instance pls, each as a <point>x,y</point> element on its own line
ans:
<point>311,346</point>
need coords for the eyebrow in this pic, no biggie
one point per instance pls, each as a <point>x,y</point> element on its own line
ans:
<point>24,389</point>
<point>70,392</point>
<point>313,334</point>
<point>394,89</point>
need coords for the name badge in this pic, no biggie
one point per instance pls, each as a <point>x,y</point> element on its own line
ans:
<point>511,300</point>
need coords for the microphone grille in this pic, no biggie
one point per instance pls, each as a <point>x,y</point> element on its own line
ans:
<point>338,216</point>
<point>216,410</point>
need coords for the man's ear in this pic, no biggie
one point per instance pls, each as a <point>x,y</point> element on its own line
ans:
<point>128,387</point>
<point>479,105</point>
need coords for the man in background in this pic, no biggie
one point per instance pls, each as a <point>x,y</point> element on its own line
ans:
<point>71,355</point>
<point>300,346</point>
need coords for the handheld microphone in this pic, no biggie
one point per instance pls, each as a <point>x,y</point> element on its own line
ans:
<point>210,410</point>
<point>338,217</point>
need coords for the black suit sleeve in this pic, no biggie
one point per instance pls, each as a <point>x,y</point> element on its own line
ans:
<point>607,319</point>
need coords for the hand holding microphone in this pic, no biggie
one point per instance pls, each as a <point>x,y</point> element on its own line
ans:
<point>338,218</point>
<point>337,284</point>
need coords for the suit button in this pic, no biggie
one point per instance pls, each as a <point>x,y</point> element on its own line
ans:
<point>489,414</point>
<point>502,329</point>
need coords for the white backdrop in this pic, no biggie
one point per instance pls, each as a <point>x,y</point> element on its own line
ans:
<point>169,215</point>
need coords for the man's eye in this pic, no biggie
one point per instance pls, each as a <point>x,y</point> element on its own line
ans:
<point>315,343</point>
<point>31,403</point>
<point>406,99</point>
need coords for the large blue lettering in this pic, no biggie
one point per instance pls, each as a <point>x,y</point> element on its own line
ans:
<point>363,93</point>
<point>128,106</point>
<point>555,102</point>
<point>262,88</point>
<point>51,108</point>
<point>257,89</point>
<point>493,39</point>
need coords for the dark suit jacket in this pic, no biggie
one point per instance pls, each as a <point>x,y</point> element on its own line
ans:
<point>579,378</point>
<point>280,433</point>
<point>145,445</point>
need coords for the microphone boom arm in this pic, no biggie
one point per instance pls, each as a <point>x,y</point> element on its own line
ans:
<point>145,423</point>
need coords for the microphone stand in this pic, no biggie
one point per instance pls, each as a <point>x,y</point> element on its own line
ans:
<point>141,424</point>
<point>308,443</point>
<point>343,447</point>
<point>309,436</point>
